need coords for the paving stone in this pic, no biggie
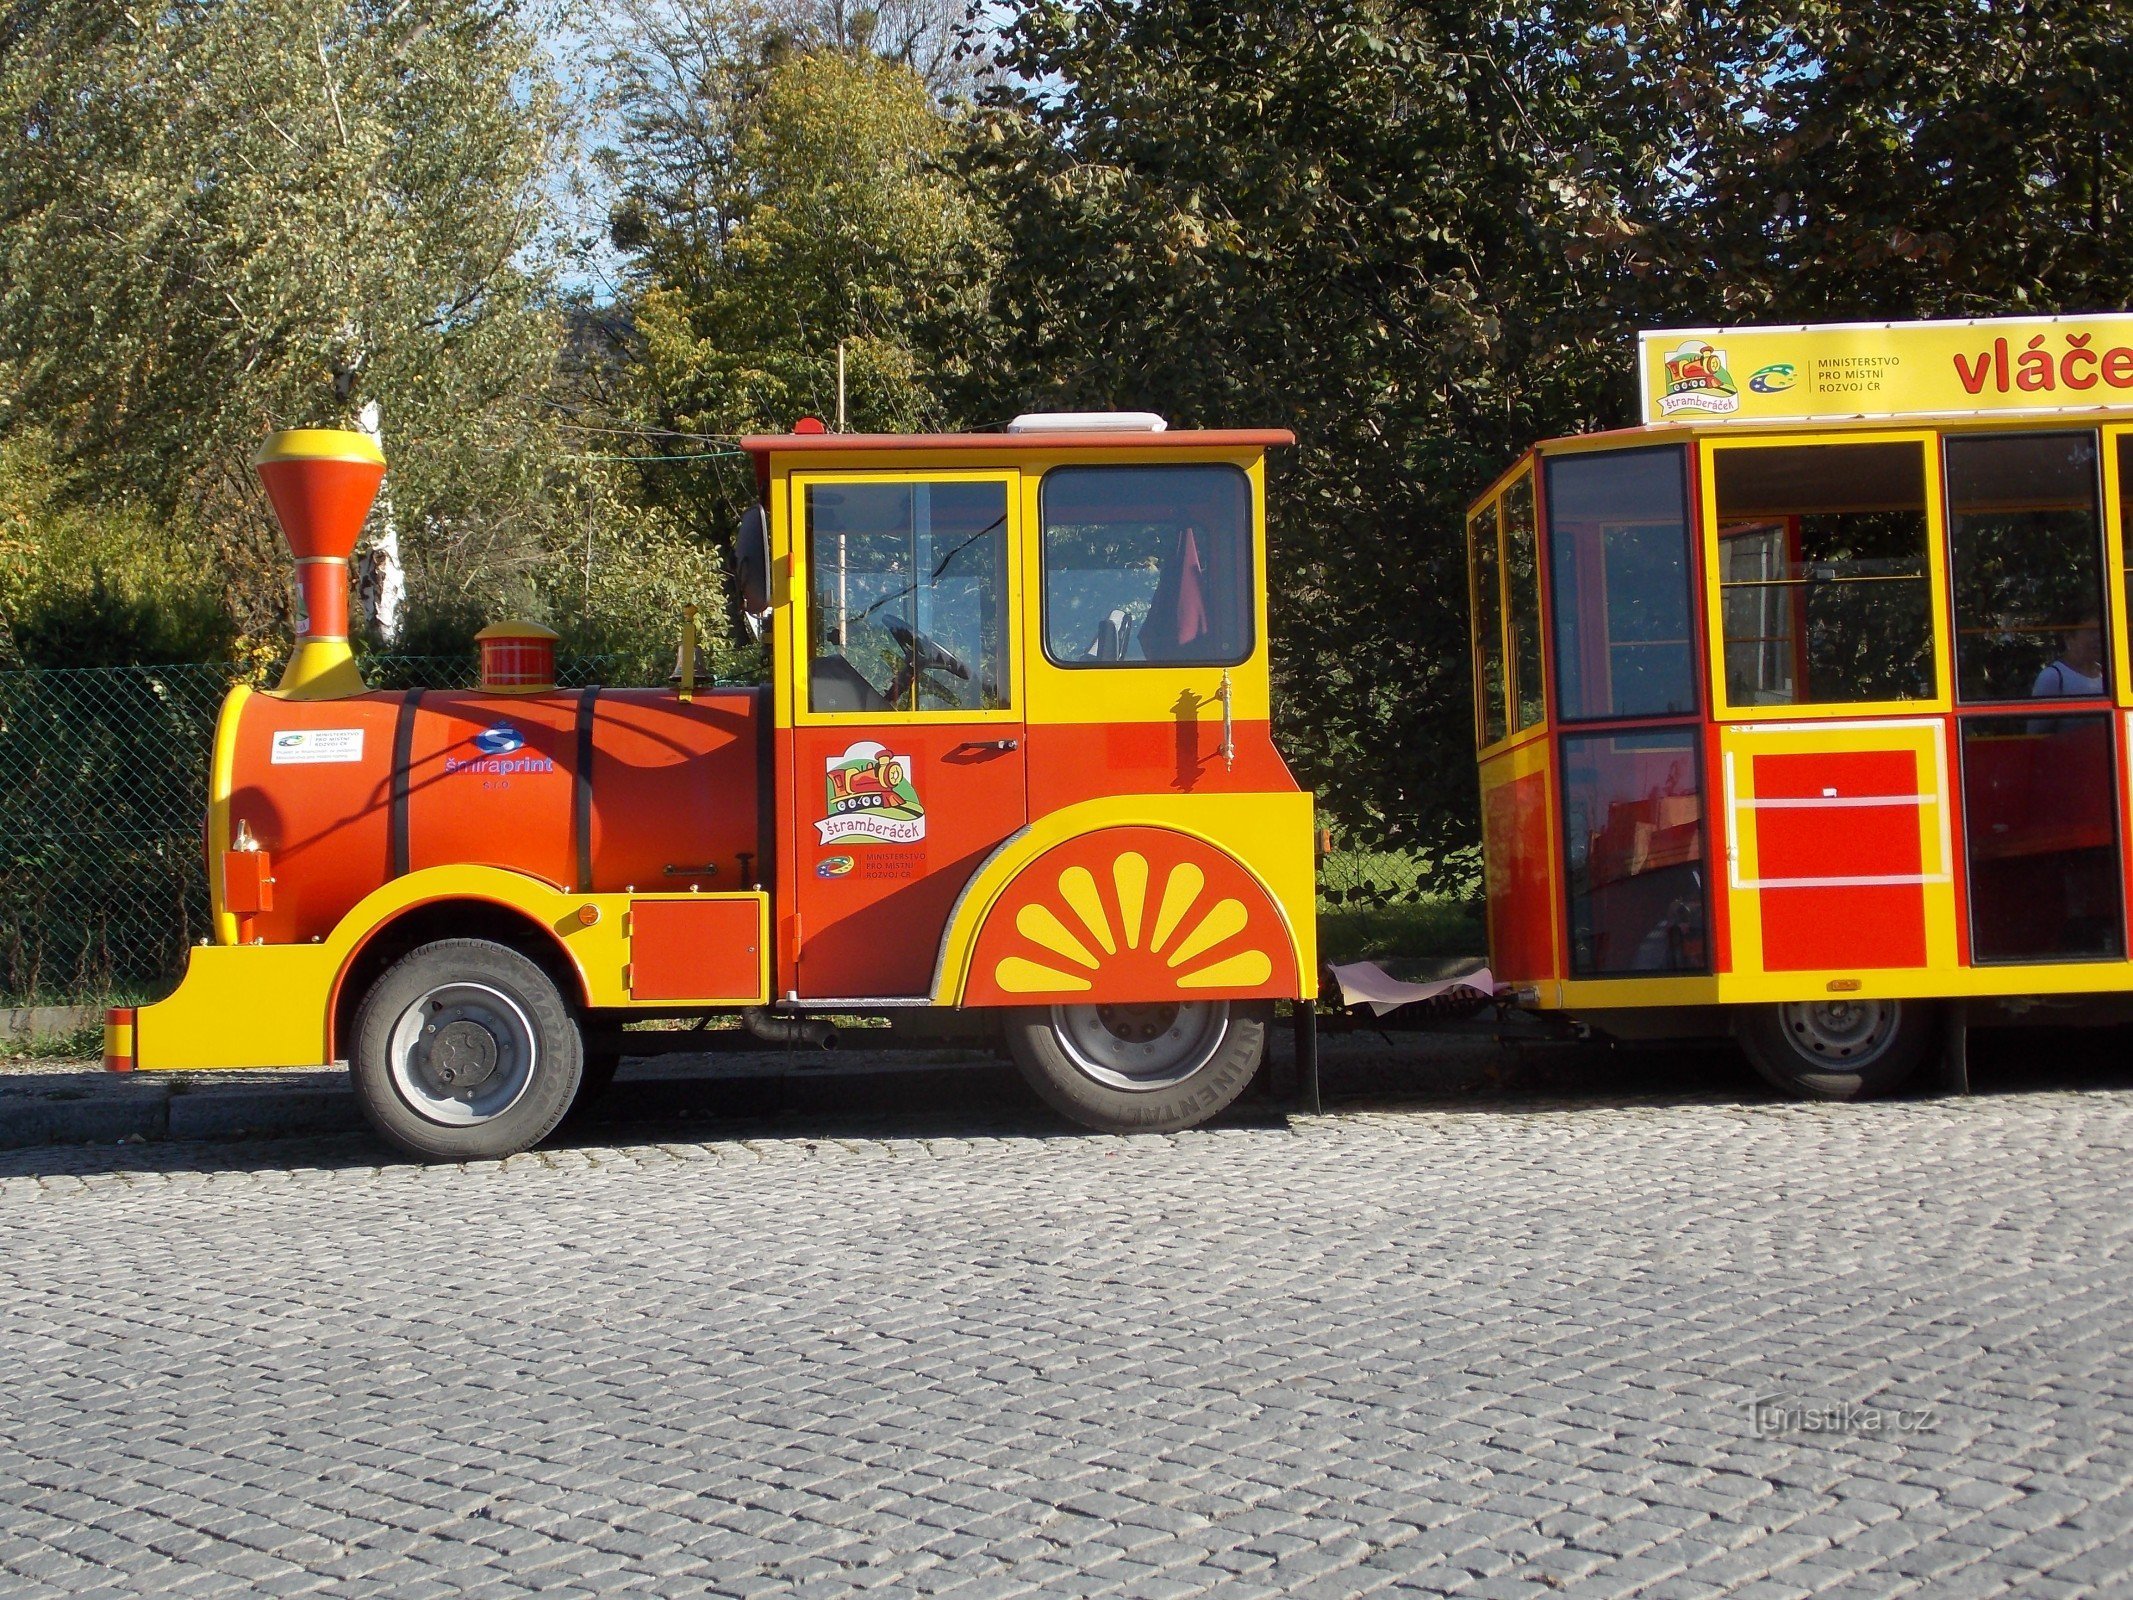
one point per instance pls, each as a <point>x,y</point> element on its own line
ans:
<point>1501,1347</point>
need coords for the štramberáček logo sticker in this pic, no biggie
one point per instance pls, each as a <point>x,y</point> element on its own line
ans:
<point>1697,380</point>
<point>871,799</point>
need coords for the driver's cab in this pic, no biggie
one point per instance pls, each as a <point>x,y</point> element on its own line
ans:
<point>981,639</point>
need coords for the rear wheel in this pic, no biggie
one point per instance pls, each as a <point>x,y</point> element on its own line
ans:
<point>1151,1068</point>
<point>1837,1049</point>
<point>465,1051</point>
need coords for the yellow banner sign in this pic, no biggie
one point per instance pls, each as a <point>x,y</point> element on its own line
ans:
<point>2006,365</point>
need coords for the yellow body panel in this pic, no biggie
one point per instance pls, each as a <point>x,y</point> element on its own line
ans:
<point>1268,834</point>
<point>1047,693</point>
<point>319,444</point>
<point>1740,743</point>
<point>221,780</point>
<point>271,1005</point>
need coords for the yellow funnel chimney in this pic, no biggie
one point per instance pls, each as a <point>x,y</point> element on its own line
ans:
<point>322,482</point>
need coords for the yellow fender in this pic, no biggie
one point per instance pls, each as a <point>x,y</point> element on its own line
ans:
<point>273,1005</point>
<point>1268,836</point>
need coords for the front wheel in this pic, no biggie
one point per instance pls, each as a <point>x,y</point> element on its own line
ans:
<point>1152,1068</point>
<point>465,1051</point>
<point>1837,1049</point>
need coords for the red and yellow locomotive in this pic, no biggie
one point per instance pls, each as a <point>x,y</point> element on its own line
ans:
<point>1014,757</point>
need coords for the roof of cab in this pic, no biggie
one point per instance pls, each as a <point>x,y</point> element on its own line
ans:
<point>759,444</point>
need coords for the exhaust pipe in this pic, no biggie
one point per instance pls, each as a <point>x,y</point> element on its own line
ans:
<point>322,482</point>
<point>774,1029</point>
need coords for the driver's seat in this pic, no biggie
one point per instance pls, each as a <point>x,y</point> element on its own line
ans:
<point>834,684</point>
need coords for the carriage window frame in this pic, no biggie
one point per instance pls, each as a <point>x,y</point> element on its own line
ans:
<point>1935,577</point>
<point>1529,609</point>
<point>1488,700</point>
<point>1567,637</point>
<point>1248,576</point>
<point>2106,618</point>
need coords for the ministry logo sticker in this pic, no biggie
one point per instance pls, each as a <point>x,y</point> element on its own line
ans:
<point>871,799</point>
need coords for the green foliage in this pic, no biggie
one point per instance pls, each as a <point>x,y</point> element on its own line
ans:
<point>796,202</point>
<point>243,214</point>
<point>1423,236</point>
<point>84,585</point>
<point>1396,231</point>
<point>1910,159</point>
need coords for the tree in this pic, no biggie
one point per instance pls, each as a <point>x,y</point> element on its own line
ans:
<point>780,207</point>
<point>242,214</point>
<point>1911,159</point>
<point>1400,230</point>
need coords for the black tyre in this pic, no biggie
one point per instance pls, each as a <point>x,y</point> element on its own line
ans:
<point>1837,1049</point>
<point>1139,1068</point>
<point>593,1083</point>
<point>465,1051</point>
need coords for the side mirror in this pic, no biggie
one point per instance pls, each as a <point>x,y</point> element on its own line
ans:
<point>751,561</point>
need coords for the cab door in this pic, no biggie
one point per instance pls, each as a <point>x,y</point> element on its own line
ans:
<point>907,748</point>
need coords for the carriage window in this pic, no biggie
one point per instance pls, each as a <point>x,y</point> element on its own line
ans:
<point>1147,565</point>
<point>1822,574</point>
<point>2040,822</point>
<point>1618,556</point>
<point>2027,544</point>
<point>1522,596</point>
<point>907,596</point>
<point>1633,847</point>
<point>1488,622</point>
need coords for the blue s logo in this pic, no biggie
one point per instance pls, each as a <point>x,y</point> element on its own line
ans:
<point>500,740</point>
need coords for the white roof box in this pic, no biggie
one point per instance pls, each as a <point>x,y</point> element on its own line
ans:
<point>1087,422</point>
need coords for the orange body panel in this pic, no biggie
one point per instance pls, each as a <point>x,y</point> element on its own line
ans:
<point>493,785</point>
<point>313,778</point>
<point>1073,762</point>
<point>492,780</point>
<point>693,950</point>
<point>873,886</point>
<point>1130,915</point>
<point>1517,855</point>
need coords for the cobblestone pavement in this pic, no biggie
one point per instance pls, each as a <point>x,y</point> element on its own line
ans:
<point>1505,1347</point>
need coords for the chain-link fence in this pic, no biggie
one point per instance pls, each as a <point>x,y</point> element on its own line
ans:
<point>103,792</point>
<point>1397,903</point>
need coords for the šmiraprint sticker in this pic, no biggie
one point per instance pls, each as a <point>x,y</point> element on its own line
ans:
<point>1697,380</point>
<point>871,799</point>
<point>303,747</point>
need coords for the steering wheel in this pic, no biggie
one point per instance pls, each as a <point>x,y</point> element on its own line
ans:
<point>921,655</point>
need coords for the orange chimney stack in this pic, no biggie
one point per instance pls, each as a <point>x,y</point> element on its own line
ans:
<point>322,482</point>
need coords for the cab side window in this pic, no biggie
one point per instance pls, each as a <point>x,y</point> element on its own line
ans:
<point>1147,565</point>
<point>907,596</point>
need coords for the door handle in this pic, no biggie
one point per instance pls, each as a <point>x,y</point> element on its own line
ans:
<point>1000,745</point>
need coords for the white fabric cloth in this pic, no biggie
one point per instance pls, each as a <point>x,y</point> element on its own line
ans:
<point>1367,983</point>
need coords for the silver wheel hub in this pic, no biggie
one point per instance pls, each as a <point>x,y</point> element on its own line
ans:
<point>1850,1033</point>
<point>462,1054</point>
<point>1141,1047</point>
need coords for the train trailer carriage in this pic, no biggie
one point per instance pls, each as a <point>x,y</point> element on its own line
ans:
<point>1013,766</point>
<point>1803,708</point>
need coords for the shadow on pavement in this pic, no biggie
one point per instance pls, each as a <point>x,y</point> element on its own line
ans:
<point>878,1095</point>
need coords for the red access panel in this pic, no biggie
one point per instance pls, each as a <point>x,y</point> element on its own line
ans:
<point>696,949</point>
